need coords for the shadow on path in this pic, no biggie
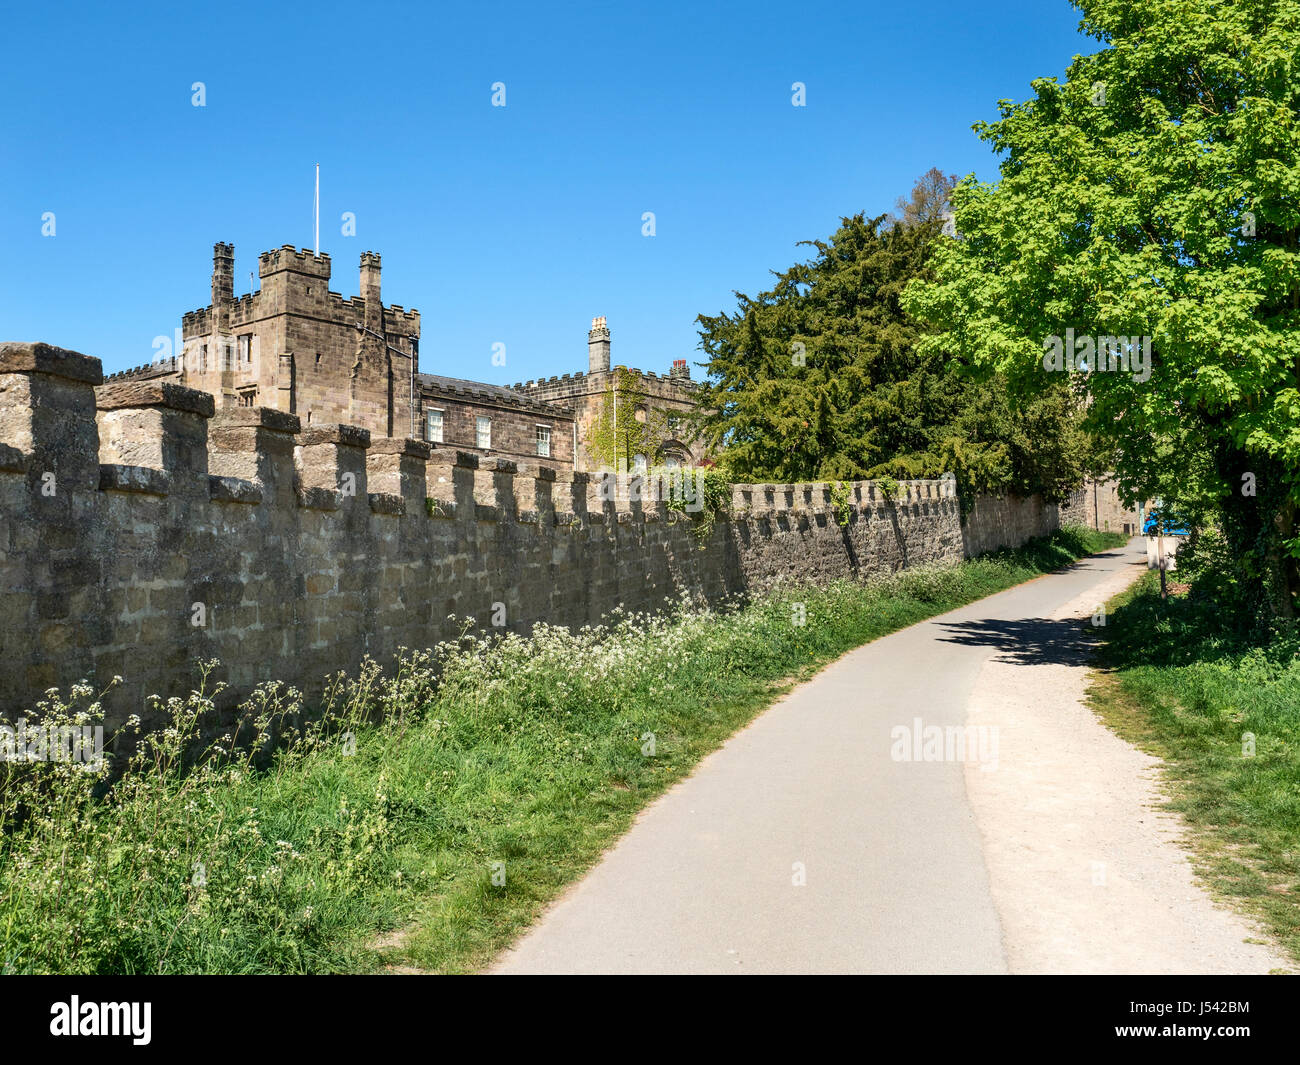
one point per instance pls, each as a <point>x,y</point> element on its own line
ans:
<point>1026,641</point>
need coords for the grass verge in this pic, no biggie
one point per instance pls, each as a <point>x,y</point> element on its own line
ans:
<point>423,817</point>
<point>1224,716</point>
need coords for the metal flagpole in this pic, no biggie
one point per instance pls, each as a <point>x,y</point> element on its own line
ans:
<point>316,209</point>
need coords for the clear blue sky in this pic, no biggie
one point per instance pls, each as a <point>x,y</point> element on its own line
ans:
<point>514,225</point>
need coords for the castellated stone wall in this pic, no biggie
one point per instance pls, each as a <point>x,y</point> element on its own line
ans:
<point>139,532</point>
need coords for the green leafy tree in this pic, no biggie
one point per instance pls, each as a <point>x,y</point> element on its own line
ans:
<point>1154,193</point>
<point>822,378</point>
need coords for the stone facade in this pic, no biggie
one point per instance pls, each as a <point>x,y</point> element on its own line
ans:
<point>143,528</point>
<point>1098,505</point>
<point>297,347</point>
<point>1006,521</point>
<point>519,428</point>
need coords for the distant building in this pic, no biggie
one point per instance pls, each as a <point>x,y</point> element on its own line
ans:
<point>671,398</point>
<point>298,347</point>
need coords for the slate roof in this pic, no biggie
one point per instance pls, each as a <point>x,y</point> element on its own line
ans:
<point>471,390</point>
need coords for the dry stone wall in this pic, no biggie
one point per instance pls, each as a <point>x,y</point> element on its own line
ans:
<point>140,533</point>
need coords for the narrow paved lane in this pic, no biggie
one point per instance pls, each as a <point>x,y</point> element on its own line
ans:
<point>803,845</point>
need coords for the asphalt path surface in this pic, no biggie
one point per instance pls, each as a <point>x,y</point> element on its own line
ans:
<point>821,838</point>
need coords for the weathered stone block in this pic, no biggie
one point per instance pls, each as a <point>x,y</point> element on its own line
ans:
<point>116,478</point>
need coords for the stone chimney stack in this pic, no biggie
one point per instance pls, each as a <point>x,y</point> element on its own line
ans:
<point>223,273</point>
<point>223,284</point>
<point>598,345</point>
<point>680,371</point>
<point>370,291</point>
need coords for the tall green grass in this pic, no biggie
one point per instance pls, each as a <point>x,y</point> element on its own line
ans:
<point>426,813</point>
<point>1191,685</point>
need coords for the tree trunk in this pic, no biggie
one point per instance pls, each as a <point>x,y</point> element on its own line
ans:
<point>1286,566</point>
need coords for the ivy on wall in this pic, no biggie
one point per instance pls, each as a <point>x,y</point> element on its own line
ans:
<point>616,435</point>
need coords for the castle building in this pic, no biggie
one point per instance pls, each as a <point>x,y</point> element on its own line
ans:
<point>298,347</point>
<point>659,405</point>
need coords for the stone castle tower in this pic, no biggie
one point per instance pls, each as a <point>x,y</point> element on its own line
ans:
<point>298,347</point>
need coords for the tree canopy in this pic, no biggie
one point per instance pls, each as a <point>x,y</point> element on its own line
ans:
<point>1154,194</point>
<point>822,377</point>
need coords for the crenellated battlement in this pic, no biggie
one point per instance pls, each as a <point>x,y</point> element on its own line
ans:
<point>300,261</point>
<point>144,529</point>
<point>158,368</point>
<point>138,419</point>
<point>672,386</point>
<point>541,382</point>
<point>397,319</point>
